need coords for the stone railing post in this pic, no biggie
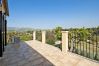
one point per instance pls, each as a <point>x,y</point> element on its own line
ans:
<point>64,41</point>
<point>44,37</point>
<point>13,39</point>
<point>34,35</point>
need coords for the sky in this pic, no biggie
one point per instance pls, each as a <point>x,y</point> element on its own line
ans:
<point>47,14</point>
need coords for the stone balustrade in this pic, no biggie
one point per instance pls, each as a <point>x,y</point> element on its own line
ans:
<point>34,35</point>
<point>64,39</point>
<point>43,37</point>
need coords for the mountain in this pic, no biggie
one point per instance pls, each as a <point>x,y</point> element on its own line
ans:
<point>19,29</point>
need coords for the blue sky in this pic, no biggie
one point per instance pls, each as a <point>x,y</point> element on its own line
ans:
<point>51,13</point>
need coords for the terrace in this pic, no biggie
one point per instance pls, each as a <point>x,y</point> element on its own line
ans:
<point>36,53</point>
<point>76,50</point>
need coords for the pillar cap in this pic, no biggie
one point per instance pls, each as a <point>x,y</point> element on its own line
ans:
<point>64,31</point>
<point>43,31</point>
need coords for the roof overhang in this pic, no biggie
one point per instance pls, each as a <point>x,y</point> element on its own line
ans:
<point>5,8</point>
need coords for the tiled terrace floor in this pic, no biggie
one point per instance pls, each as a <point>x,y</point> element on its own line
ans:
<point>22,54</point>
<point>34,53</point>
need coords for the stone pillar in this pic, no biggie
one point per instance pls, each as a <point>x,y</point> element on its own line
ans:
<point>13,39</point>
<point>34,35</point>
<point>44,37</point>
<point>64,41</point>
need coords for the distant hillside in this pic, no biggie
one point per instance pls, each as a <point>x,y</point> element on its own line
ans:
<point>19,29</point>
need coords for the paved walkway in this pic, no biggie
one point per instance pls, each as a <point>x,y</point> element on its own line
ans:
<point>22,54</point>
<point>35,53</point>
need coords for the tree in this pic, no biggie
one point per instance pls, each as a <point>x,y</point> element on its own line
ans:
<point>78,36</point>
<point>58,34</point>
<point>84,34</point>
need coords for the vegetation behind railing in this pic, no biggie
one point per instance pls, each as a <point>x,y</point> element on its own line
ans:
<point>85,42</point>
<point>39,35</point>
<point>50,37</point>
<point>53,37</point>
<point>24,36</point>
